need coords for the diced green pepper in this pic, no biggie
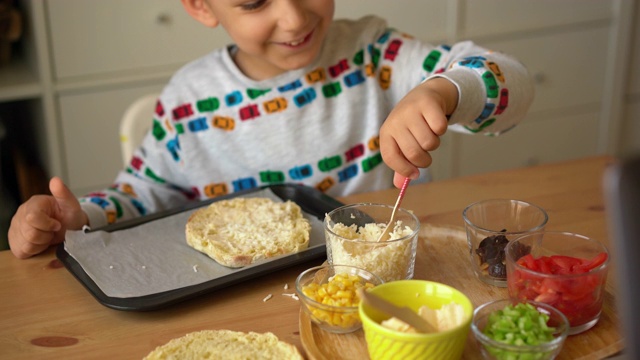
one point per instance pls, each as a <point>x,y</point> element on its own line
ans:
<point>519,325</point>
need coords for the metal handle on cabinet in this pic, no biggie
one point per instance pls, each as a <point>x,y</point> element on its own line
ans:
<point>163,19</point>
<point>539,78</point>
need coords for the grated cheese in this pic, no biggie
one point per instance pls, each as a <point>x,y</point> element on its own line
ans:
<point>293,296</point>
<point>241,231</point>
<point>390,260</point>
<point>237,234</point>
<point>267,298</point>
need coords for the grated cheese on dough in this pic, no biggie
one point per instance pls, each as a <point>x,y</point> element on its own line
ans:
<point>240,231</point>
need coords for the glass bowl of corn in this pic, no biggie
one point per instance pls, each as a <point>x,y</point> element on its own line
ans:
<point>328,295</point>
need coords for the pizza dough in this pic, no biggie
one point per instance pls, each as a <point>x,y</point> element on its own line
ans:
<point>240,231</point>
<point>226,345</point>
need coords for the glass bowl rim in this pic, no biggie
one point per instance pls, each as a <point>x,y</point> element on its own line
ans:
<point>548,346</point>
<point>494,200</point>
<point>336,308</point>
<point>378,205</point>
<point>379,328</point>
<point>602,267</point>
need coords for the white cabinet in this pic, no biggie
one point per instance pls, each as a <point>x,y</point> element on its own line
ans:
<point>82,62</point>
<point>95,37</point>
<point>507,17</point>
<point>567,46</point>
<point>426,20</point>
<point>567,67</point>
<point>564,117</point>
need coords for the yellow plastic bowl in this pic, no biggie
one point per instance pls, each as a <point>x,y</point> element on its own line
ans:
<point>384,343</point>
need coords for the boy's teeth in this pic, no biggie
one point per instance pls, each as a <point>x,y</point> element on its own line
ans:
<point>297,42</point>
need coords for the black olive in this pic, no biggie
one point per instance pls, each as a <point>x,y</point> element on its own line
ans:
<point>498,271</point>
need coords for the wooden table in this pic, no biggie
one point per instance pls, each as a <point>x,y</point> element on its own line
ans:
<point>45,313</point>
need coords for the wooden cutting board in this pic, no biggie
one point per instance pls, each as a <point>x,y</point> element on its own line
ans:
<point>443,256</point>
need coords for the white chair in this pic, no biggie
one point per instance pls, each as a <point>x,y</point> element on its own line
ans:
<point>135,124</point>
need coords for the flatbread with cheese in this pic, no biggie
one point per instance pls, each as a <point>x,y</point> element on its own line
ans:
<point>226,345</point>
<point>241,231</point>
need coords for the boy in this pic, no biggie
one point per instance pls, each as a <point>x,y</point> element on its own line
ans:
<point>297,98</point>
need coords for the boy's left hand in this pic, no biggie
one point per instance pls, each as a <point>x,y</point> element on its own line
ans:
<point>414,126</point>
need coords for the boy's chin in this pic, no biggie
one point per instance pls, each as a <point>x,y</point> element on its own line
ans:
<point>297,64</point>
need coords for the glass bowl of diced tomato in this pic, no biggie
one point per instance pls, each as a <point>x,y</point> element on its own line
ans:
<point>565,270</point>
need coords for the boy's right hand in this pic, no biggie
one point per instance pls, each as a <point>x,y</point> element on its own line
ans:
<point>43,220</point>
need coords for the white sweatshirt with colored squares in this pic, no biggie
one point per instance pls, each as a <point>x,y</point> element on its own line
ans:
<point>215,131</point>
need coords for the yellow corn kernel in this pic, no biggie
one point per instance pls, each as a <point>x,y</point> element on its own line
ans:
<point>341,291</point>
<point>332,288</point>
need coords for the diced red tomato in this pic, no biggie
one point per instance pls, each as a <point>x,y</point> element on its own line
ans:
<point>565,263</point>
<point>528,262</point>
<point>577,297</point>
<point>593,263</point>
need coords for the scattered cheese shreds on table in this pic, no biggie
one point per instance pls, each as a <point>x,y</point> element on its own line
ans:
<point>293,296</point>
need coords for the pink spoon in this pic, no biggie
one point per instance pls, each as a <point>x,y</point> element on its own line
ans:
<point>387,229</point>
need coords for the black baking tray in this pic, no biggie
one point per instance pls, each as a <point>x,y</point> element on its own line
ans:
<point>309,199</point>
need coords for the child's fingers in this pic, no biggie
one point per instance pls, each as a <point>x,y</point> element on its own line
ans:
<point>424,136</point>
<point>68,209</point>
<point>413,153</point>
<point>414,138</point>
<point>39,219</point>
<point>396,160</point>
<point>31,230</point>
<point>65,198</point>
<point>398,180</point>
<point>28,249</point>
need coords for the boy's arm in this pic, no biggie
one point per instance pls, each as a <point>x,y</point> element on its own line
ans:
<point>131,196</point>
<point>495,90</point>
<point>469,89</point>
<point>414,126</point>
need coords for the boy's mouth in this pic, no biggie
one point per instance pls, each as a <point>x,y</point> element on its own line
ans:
<point>298,42</point>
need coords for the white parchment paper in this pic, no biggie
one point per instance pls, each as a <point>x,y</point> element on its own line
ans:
<point>154,257</point>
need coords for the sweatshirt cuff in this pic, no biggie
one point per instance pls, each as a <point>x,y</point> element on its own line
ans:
<point>95,214</point>
<point>471,94</point>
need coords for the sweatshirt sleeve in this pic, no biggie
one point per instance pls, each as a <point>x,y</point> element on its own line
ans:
<point>495,90</point>
<point>147,185</point>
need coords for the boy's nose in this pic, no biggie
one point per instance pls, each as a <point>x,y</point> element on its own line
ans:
<point>292,14</point>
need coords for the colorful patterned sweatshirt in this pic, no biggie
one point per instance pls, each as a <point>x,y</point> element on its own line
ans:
<point>216,132</point>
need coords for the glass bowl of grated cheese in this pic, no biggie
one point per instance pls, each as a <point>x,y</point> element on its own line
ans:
<point>352,233</point>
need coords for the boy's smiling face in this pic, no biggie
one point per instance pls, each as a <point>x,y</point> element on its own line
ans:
<point>273,36</point>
